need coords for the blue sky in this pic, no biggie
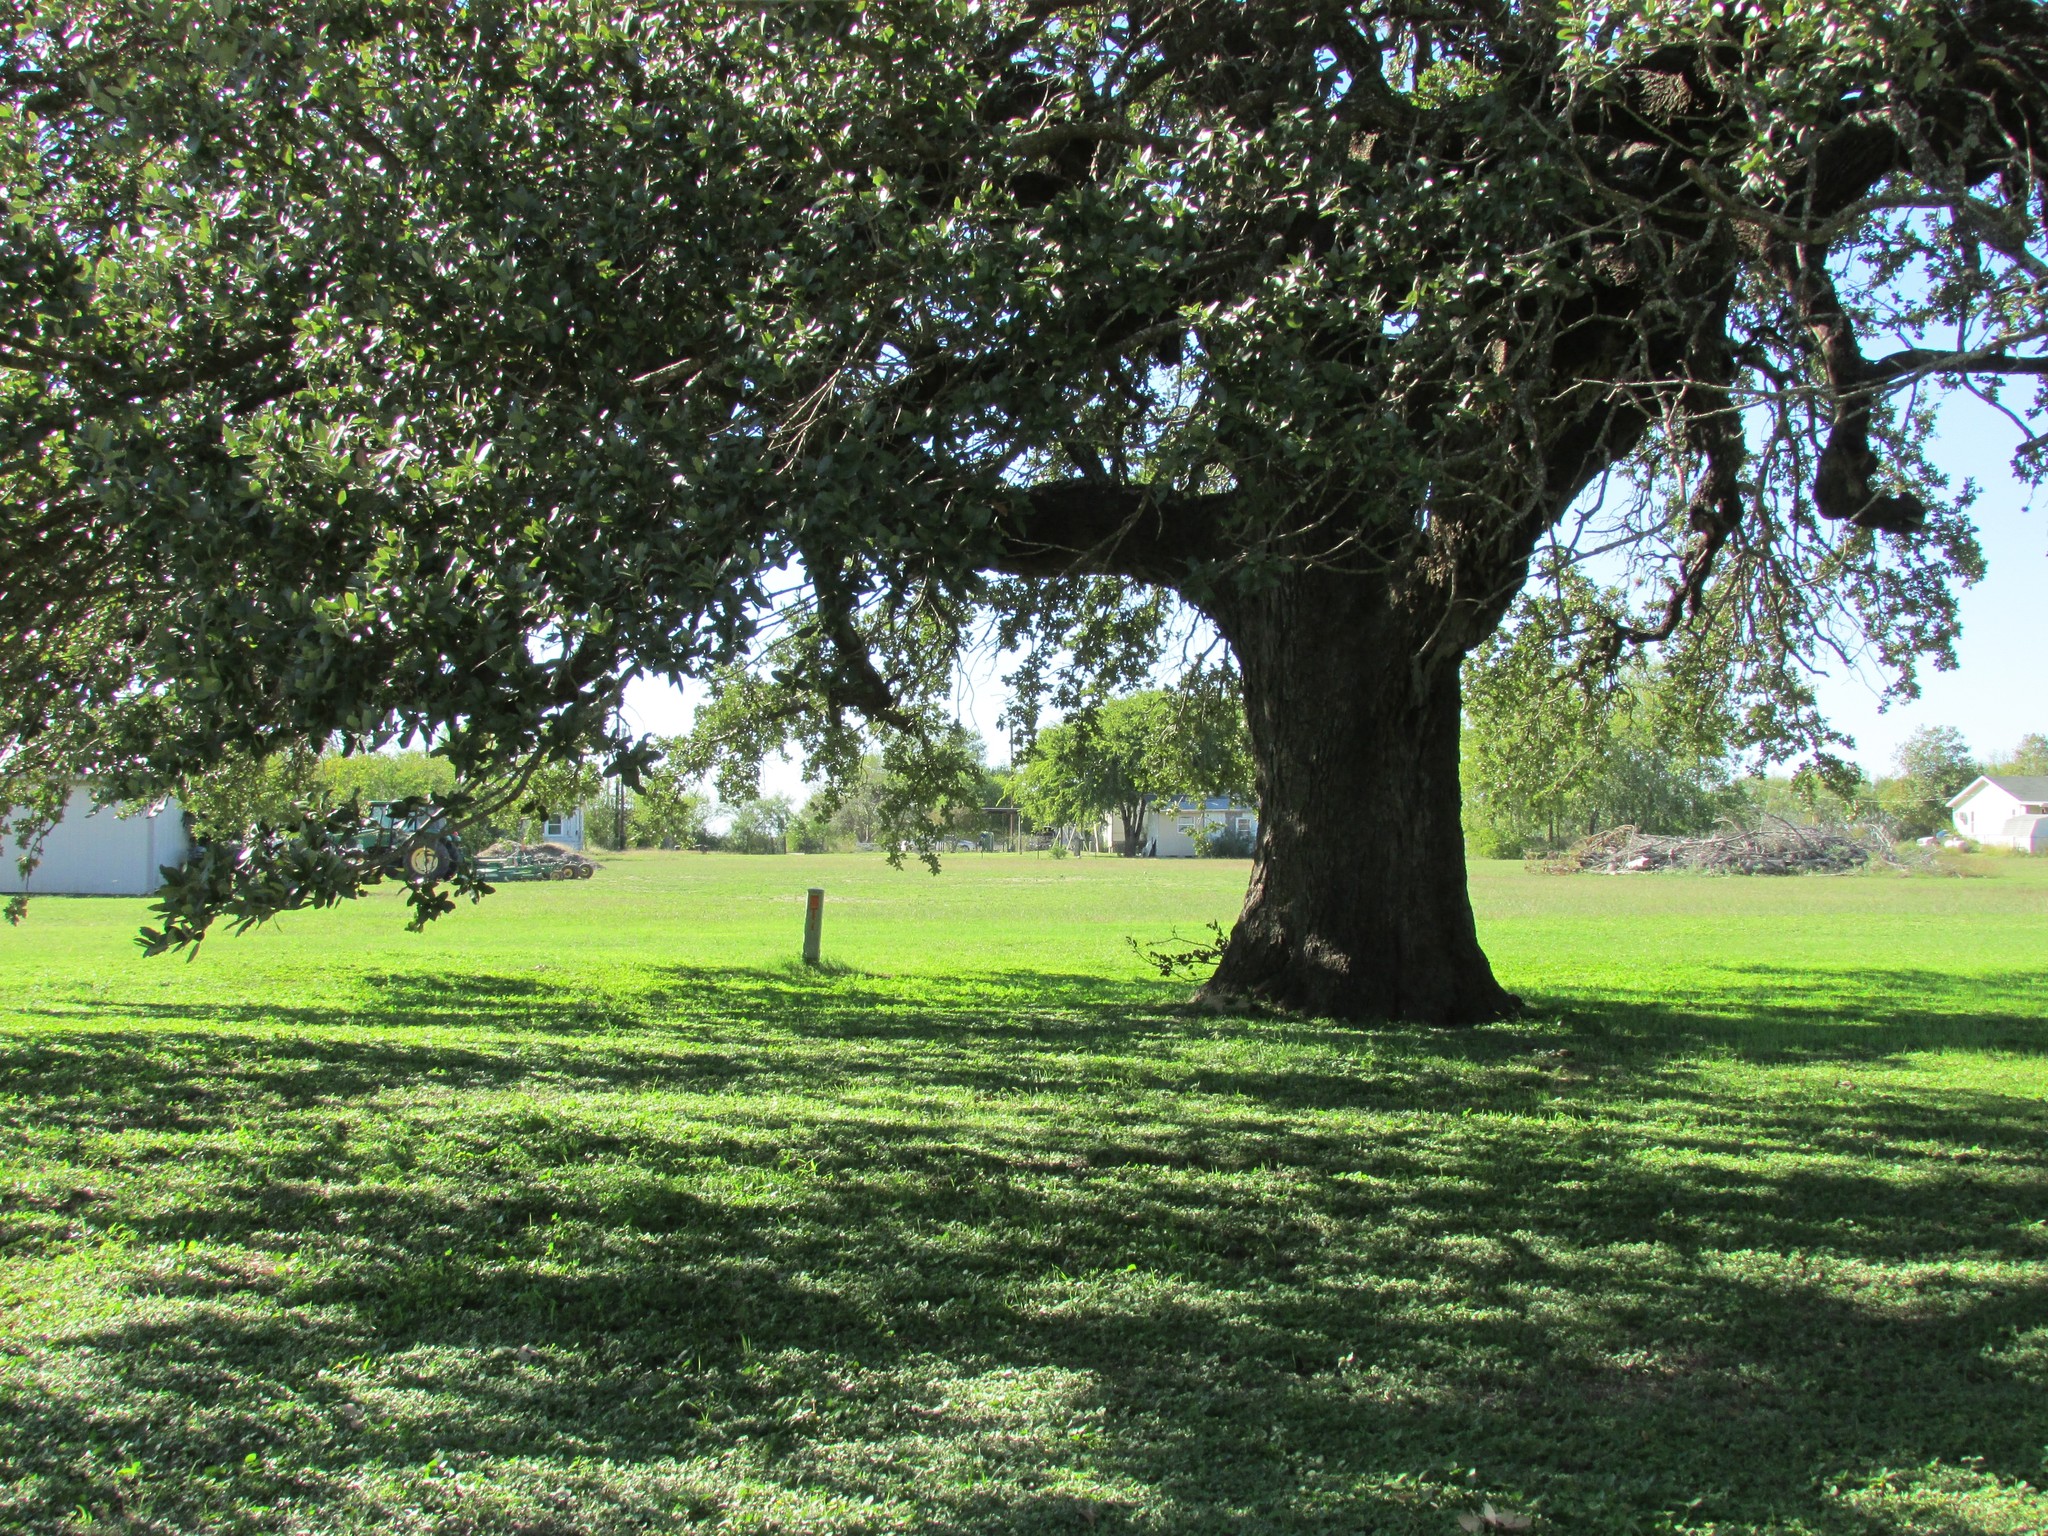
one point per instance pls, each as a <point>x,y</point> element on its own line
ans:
<point>1999,690</point>
<point>1997,693</point>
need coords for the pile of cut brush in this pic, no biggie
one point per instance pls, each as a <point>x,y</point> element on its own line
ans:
<point>1773,847</point>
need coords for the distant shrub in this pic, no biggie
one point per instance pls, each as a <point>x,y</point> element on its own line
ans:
<point>1222,842</point>
<point>1488,840</point>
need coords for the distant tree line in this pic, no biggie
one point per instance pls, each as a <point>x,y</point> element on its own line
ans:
<point>1549,758</point>
<point>1545,762</point>
<point>244,792</point>
<point>1930,767</point>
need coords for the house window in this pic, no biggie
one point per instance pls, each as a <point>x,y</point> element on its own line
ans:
<point>552,827</point>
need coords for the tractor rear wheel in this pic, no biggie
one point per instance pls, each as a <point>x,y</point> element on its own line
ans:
<point>428,858</point>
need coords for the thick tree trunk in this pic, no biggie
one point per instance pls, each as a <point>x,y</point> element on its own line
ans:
<point>1358,907</point>
<point>1133,818</point>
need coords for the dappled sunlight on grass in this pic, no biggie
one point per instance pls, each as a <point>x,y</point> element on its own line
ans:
<point>640,1243</point>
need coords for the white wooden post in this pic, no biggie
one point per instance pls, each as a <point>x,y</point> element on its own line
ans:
<point>814,923</point>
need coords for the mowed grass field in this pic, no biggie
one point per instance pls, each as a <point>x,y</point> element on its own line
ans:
<point>588,1211</point>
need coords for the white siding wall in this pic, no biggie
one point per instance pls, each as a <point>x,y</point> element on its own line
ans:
<point>2027,834</point>
<point>1983,816</point>
<point>1174,829</point>
<point>93,852</point>
<point>566,829</point>
<point>1174,836</point>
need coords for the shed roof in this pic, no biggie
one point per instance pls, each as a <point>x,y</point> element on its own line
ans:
<point>2030,787</point>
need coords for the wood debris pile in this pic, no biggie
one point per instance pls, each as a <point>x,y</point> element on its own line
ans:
<point>1773,848</point>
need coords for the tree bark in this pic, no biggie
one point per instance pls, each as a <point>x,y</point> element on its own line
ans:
<point>1133,817</point>
<point>1358,907</point>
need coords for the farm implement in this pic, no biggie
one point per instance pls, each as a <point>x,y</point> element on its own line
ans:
<point>498,865</point>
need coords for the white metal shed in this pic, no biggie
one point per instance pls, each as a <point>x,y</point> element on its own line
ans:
<point>93,851</point>
<point>2028,834</point>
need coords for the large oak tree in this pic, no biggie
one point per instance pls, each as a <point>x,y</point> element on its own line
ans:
<point>393,368</point>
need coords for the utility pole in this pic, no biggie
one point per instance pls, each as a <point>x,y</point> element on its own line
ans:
<point>619,789</point>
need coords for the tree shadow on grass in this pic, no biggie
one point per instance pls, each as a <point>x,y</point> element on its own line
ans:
<point>1200,1358</point>
<point>1780,1014</point>
<point>1090,1264</point>
<point>390,1000</point>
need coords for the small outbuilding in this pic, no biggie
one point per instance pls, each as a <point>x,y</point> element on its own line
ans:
<point>564,828</point>
<point>2025,834</point>
<point>96,851</point>
<point>2004,811</point>
<point>1180,827</point>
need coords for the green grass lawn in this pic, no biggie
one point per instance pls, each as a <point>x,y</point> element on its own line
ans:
<point>586,1211</point>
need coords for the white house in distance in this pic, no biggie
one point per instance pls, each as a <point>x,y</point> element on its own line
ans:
<point>93,851</point>
<point>563,827</point>
<point>2004,811</point>
<point>1171,827</point>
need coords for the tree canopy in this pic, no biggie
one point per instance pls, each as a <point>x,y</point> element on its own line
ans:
<point>1129,754</point>
<point>2029,756</point>
<point>666,810</point>
<point>415,371</point>
<point>1548,759</point>
<point>1933,763</point>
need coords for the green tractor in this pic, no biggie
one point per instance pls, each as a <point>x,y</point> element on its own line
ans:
<point>416,847</point>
